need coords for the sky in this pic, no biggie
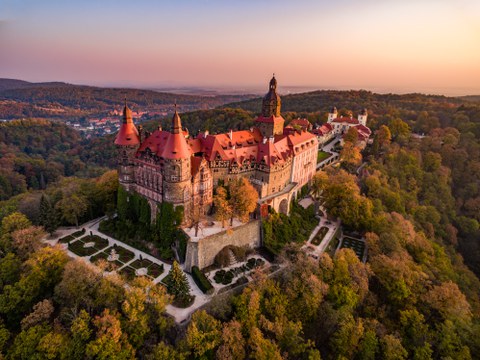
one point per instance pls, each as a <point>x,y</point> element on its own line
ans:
<point>399,46</point>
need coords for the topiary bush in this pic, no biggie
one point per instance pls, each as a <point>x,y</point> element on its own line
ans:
<point>201,280</point>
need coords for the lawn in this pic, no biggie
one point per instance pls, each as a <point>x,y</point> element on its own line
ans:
<point>356,245</point>
<point>322,155</point>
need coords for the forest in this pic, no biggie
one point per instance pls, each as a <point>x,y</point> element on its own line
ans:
<point>417,297</point>
<point>60,100</point>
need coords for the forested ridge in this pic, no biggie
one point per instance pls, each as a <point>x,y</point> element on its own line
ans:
<point>61,100</point>
<point>416,200</point>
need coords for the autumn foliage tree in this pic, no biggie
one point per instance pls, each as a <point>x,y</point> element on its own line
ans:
<point>223,209</point>
<point>243,199</point>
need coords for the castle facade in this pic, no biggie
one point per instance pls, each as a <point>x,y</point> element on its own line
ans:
<point>170,166</point>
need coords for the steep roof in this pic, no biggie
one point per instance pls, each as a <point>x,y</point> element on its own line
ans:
<point>128,133</point>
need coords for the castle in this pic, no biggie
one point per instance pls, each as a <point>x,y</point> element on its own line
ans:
<point>170,166</point>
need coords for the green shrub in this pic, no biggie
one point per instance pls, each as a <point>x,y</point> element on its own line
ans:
<point>201,280</point>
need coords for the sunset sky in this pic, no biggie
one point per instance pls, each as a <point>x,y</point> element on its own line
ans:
<point>381,45</point>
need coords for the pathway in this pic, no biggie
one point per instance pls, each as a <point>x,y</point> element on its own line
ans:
<point>328,148</point>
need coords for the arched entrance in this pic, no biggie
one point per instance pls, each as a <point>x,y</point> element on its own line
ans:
<point>283,208</point>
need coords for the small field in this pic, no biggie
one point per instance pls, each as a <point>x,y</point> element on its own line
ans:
<point>322,155</point>
<point>320,235</point>
<point>356,245</point>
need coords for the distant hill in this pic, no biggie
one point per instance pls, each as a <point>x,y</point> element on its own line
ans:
<point>355,100</point>
<point>475,98</point>
<point>56,99</point>
<point>9,84</point>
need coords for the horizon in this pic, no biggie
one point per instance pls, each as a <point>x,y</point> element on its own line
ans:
<point>385,47</point>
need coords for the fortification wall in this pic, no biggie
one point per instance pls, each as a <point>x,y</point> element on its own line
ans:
<point>202,253</point>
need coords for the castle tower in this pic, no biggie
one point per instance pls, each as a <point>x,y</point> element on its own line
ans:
<point>270,122</point>
<point>362,117</point>
<point>332,115</point>
<point>127,143</point>
<point>176,170</point>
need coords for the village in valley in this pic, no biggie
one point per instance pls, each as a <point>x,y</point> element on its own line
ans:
<point>217,190</point>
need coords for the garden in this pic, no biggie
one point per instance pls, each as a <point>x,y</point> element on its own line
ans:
<point>88,245</point>
<point>73,236</point>
<point>356,245</point>
<point>320,235</point>
<point>225,277</point>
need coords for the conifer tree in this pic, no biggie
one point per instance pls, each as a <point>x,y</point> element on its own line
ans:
<point>177,284</point>
<point>48,215</point>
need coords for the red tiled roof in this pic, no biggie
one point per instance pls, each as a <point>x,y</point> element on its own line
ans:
<point>322,130</point>
<point>363,128</point>
<point>128,133</point>
<point>348,120</point>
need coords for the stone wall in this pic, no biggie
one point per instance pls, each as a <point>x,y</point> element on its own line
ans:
<point>203,252</point>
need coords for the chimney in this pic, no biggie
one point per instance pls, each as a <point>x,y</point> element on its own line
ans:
<point>205,134</point>
<point>230,134</point>
<point>251,129</point>
<point>264,141</point>
<point>271,139</point>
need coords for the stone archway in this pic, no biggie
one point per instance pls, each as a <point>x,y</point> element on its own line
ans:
<point>283,207</point>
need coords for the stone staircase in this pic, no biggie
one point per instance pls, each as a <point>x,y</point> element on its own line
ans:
<point>233,259</point>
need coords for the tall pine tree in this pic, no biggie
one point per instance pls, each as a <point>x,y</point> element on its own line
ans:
<point>177,284</point>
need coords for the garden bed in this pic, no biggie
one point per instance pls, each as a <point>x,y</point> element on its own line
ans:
<point>320,235</point>
<point>128,272</point>
<point>225,277</point>
<point>153,270</point>
<point>78,248</point>
<point>124,255</point>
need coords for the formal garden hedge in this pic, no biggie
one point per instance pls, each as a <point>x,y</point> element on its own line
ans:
<point>201,280</point>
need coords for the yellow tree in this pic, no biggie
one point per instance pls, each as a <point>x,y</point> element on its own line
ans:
<point>110,342</point>
<point>243,199</point>
<point>223,210</point>
<point>350,155</point>
<point>203,335</point>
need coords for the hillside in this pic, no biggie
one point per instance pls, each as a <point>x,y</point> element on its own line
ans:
<point>55,99</point>
<point>323,100</point>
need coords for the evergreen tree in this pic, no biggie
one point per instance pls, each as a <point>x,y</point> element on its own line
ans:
<point>48,215</point>
<point>177,284</point>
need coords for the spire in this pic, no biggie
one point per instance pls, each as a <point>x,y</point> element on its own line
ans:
<point>127,113</point>
<point>176,122</point>
<point>128,133</point>
<point>273,83</point>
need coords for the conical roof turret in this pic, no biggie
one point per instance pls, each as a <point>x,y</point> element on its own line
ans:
<point>176,122</point>
<point>128,133</point>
